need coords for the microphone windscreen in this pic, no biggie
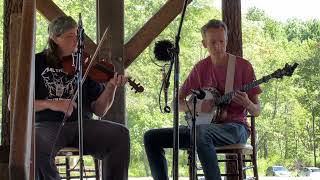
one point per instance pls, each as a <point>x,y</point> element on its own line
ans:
<point>202,94</point>
<point>161,50</point>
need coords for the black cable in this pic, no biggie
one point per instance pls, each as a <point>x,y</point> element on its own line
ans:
<point>162,86</point>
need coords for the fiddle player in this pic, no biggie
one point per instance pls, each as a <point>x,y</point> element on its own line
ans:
<point>54,91</point>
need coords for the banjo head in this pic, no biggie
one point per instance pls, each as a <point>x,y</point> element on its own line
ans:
<point>204,118</point>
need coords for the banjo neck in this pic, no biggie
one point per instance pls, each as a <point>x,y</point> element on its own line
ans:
<point>227,97</point>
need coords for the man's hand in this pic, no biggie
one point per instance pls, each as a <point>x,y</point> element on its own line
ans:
<point>241,98</point>
<point>65,106</point>
<point>118,80</point>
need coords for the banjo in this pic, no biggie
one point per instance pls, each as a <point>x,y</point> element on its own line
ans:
<point>222,100</point>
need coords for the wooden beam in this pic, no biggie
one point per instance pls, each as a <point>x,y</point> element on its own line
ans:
<point>50,10</point>
<point>156,24</point>
<point>20,146</point>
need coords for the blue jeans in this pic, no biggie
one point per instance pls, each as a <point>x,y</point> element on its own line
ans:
<point>208,137</point>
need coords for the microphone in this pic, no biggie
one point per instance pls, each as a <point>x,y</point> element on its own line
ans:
<point>200,94</point>
<point>162,50</point>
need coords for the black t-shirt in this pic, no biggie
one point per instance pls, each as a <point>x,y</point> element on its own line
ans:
<point>54,84</point>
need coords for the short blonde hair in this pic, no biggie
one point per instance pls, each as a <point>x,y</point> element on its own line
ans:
<point>214,23</point>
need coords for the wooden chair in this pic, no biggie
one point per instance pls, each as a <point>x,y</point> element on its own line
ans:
<point>66,171</point>
<point>243,153</point>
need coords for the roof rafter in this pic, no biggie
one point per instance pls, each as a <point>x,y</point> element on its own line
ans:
<point>156,24</point>
<point>50,10</point>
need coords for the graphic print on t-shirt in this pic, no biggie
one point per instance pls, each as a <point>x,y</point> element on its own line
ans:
<point>59,85</point>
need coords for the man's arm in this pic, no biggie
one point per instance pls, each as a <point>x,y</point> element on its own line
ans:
<point>65,106</point>
<point>251,103</point>
<point>182,102</point>
<point>254,106</point>
<point>101,106</point>
<point>103,103</point>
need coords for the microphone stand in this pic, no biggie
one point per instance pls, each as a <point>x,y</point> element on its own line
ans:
<point>193,174</point>
<point>79,68</point>
<point>175,52</point>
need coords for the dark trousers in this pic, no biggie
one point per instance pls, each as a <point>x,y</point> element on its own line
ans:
<point>102,139</point>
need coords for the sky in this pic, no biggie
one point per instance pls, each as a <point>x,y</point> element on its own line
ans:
<point>281,10</point>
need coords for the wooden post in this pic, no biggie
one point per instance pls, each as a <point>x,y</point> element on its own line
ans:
<point>20,145</point>
<point>231,15</point>
<point>10,7</point>
<point>110,14</point>
<point>15,24</point>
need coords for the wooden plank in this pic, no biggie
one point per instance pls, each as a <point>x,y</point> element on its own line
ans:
<point>15,26</point>
<point>20,146</point>
<point>50,10</point>
<point>156,24</point>
<point>111,13</point>
<point>10,7</point>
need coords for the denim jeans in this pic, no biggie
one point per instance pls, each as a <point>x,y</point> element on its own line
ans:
<point>208,137</point>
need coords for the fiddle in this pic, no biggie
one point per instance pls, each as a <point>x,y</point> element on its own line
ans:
<point>101,71</point>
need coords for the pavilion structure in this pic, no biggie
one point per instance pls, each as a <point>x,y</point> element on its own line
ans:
<point>17,148</point>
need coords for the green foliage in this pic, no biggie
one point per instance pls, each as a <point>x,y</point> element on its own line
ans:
<point>298,29</point>
<point>255,14</point>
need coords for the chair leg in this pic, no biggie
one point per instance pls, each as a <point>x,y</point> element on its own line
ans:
<point>68,175</point>
<point>255,168</point>
<point>244,166</point>
<point>97,168</point>
<point>240,166</point>
<point>189,163</point>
